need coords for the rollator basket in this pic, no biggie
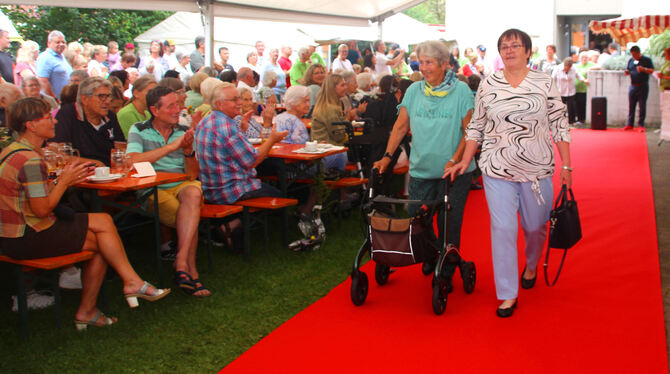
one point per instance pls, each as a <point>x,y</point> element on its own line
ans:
<point>400,241</point>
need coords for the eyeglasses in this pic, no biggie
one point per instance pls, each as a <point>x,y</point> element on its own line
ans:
<point>236,98</point>
<point>46,116</point>
<point>103,97</point>
<point>513,47</point>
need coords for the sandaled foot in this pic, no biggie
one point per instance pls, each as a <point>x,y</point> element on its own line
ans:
<point>200,289</point>
<point>184,281</point>
<point>146,292</point>
<point>98,320</point>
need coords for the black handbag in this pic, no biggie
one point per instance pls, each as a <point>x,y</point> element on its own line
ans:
<point>565,229</point>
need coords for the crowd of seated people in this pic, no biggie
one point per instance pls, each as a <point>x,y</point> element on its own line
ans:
<point>179,114</point>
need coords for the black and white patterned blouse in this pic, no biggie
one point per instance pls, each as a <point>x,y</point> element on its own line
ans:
<point>515,127</point>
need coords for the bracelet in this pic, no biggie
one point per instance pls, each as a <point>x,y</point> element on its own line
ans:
<point>190,154</point>
<point>452,160</point>
<point>566,168</point>
<point>388,155</point>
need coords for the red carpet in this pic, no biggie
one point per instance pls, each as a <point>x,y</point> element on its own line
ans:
<point>605,315</point>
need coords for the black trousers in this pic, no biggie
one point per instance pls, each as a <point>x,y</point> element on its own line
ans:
<point>580,103</point>
<point>569,101</point>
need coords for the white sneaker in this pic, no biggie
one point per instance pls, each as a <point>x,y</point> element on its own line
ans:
<point>70,278</point>
<point>34,301</point>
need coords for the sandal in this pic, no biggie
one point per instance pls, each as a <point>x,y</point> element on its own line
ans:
<point>200,287</point>
<point>184,281</point>
<point>94,321</point>
<point>232,239</point>
<point>143,293</point>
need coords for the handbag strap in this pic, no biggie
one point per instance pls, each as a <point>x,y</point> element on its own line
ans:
<point>546,265</point>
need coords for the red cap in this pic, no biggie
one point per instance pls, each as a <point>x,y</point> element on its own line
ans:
<point>130,46</point>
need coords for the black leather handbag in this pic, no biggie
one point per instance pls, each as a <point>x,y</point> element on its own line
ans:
<point>565,229</point>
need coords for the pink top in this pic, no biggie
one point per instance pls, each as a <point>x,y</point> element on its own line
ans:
<point>21,66</point>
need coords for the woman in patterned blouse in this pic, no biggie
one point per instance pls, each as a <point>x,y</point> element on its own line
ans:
<point>518,113</point>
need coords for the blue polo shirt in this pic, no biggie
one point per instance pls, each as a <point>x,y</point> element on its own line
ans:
<point>55,68</point>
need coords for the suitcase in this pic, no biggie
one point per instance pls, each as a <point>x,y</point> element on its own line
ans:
<point>599,113</point>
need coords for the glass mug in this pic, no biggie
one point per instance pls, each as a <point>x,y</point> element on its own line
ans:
<point>54,161</point>
<point>68,153</point>
<point>117,162</point>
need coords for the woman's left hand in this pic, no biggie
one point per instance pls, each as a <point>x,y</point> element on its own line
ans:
<point>244,122</point>
<point>566,177</point>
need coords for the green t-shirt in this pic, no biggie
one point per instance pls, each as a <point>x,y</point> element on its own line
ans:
<point>128,116</point>
<point>665,70</point>
<point>297,71</point>
<point>436,124</point>
<point>317,59</point>
<point>580,86</point>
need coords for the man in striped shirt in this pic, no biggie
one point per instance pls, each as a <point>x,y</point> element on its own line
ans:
<point>169,147</point>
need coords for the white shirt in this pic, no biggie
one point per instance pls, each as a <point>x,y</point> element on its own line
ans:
<point>566,81</point>
<point>95,69</point>
<point>344,65</point>
<point>171,60</point>
<point>254,91</point>
<point>380,67</point>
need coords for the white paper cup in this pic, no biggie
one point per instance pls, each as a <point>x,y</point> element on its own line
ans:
<point>310,146</point>
<point>102,172</point>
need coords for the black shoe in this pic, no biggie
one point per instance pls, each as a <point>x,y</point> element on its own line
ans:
<point>506,312</point>
<point>527,284</point>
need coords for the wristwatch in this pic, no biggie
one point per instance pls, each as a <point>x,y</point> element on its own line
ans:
<point>190,154</point>
<point>388,155</point>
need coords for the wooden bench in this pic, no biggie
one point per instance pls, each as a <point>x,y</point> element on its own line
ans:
<point>47,265</point>
<point>213,211</point>
<point>260,205</point>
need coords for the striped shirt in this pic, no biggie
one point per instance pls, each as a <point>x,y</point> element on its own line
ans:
<point>23,175</point>
<point>142,137</point>
<point>226,159</point>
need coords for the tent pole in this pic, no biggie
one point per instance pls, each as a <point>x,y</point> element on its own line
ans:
<point>380,30</point>
<point>207,15</point>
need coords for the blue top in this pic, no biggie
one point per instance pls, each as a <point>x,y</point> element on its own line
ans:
<point>636,77</point>
<point>297,132</point>
<point>55,68</point>
<point>436,124</point>
<point>280,88</point>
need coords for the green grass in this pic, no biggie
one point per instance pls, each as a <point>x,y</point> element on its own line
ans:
<point>183,334</point>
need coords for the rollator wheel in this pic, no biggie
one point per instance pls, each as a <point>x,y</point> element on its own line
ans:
<point>382,273</point>
<point>359,287</point>
<point>428,267</point>
<point>440,294</point>
<point>469,276</point>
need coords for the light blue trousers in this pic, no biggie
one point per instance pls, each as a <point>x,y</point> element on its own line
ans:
<point>505,199</point>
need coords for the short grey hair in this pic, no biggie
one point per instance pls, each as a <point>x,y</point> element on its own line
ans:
<point>242,90</point>
<point>268,77</point>
<point>294,95</point>
<point>55,34</point>
<point>218,92</point>
<point>433,49</point>
<point>207,89</point>
<point>89,85</point>
<point>303,51</point>
<point>349,76</point>
<point>31,78</point>
<point>341,47</point>
<point>364,80</point>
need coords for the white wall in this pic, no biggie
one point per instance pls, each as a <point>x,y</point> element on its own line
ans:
<point>482,22</point>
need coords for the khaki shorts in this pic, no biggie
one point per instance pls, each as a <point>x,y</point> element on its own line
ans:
<point>168,202</point>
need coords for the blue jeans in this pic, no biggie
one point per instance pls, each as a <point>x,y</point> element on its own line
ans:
<point>266,190</point>
<point>433,189</point>
<point>637,94</point>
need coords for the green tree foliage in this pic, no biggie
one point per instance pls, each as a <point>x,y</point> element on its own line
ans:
<point>430,11</point>
<point>97,26</point>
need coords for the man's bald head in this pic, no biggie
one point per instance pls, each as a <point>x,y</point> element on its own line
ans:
<point>246,75</point>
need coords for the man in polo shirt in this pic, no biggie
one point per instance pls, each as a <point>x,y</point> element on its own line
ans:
<point>300,66</point>
<point>384,64</point>
<point>639,68</point>
<point>89,124</point>
<point>169,147</point>
<point>52,69</point>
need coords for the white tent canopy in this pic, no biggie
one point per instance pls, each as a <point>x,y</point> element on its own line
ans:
<point>7,25</point>
<point>240,35</point>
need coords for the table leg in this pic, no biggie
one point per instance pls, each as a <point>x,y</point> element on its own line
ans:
<point>246,230</point>
<point>157,237</point>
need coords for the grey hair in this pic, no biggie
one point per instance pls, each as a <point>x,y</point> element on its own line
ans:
<point>268,77</point>
<point>349,76</point>
<point>55,34</point>
<point>341,47</point>
<point>25,81</point>
<point>83,74</point>
<point>303,51</point>
<point>364,80</point>
<point>207,89</point>
<point>294,95</point>
<point>217,94</point>
<point>242,90</point>
<point>433,49</point>
<point>89,85</point>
